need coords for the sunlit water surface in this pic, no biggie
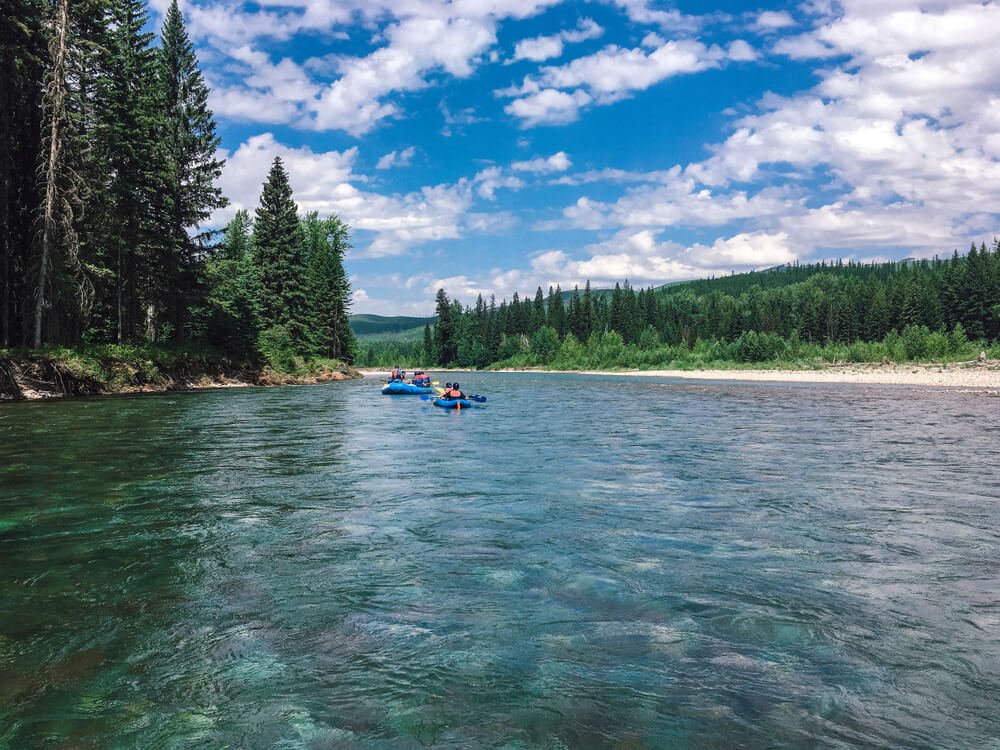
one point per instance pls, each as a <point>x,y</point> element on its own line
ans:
<point>588,562</point>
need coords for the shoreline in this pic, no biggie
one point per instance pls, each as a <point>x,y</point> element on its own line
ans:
<point>42,377</point>
<point>978,377</point>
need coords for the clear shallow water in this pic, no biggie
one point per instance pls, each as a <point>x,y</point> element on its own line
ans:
<point>588,562</point>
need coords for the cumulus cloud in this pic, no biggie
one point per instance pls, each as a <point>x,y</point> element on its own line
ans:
<point>416,46</point>
<point>414,42</point>
<point>397,158</point>
<point>548,107</point>
<point>639,256</point>
<point>491,179</point>
<point>557,93</point>
<point>770,20</point>
<point>558,162</point>
<point>546,47</point>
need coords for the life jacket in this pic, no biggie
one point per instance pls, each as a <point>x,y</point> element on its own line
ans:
<point>395,374</point>
<point>453,393</point>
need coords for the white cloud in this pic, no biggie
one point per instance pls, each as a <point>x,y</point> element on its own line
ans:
<point>557,94</point>
<point>418,39</point>
<point>546,47</point>
<point>539,48</point>
<point>770,20</point>
<point>636,255</point>
<point>558,162</point>
<point>744,250</point>
<point>639,11</point>
<point>548,107</point>
<point>354,102</point>
<point>397,158</point>
<point>740,51</point>
<point>491,179</point>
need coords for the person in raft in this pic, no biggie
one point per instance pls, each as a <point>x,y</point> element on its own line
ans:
<point>452,392</point>
<point>421,378</point>
<point>397,374</point>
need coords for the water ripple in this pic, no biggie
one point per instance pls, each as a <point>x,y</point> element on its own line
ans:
<point>588,562</point>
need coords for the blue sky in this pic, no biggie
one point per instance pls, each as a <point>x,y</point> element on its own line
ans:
<point>493,146</point>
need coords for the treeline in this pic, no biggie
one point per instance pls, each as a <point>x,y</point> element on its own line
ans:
<point>108,172</point>
<point>941,308</point>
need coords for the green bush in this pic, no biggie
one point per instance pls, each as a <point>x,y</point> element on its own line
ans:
<point>511,346</point>
<point>545,344</point>
<point>275,344</point>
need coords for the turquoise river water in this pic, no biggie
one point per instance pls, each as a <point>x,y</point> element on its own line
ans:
<point>587,562</point>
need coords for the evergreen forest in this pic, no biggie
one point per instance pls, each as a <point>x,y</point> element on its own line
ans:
<point>108,155</point>
<point>941,309</point>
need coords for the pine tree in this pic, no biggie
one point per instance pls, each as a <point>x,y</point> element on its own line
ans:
<point>445,344</point>
<point>586,314</point>
<point>556,311</point>
<point>328,287</point>
<point>277,252</point>
<point>537,312</point>
<point>191,168</point>
<point>574,318</point>
<point>129,130</point>
<point>22,52</point>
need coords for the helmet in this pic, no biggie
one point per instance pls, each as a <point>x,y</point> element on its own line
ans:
<point>454,385</point>
<point>447,385</point>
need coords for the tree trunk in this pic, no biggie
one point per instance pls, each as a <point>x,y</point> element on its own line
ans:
<point>56,95</point>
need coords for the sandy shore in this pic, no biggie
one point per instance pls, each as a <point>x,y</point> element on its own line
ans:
<point>980,377</point>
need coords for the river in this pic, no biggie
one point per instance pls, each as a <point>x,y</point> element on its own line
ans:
<point>585,562</point>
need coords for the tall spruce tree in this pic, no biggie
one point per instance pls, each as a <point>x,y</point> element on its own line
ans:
<point>445,345</point>
<point>130,144</point>
<point>190,167</point>
<point>22,56</point>
<point>328,288</point>
<point>277,252</point>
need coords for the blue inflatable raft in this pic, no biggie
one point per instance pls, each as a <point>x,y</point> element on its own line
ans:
<point>452,403</point>
<point>399,388</point>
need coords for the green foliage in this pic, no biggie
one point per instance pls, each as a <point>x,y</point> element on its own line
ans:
<point>545,344</point>
<point>759,347</point>
<point>329,331</point>
<point>278,347</point>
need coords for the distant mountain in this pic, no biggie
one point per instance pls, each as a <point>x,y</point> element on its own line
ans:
<point>384,327</point>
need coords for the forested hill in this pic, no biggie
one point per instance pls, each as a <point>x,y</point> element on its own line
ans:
<point>377,325</point>
<point>794,273</point>
<point>940,308</point>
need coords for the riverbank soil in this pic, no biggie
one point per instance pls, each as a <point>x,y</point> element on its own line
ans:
<point>27,376</point>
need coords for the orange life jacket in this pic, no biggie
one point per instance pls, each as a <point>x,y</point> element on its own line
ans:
<point>453,393</point>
